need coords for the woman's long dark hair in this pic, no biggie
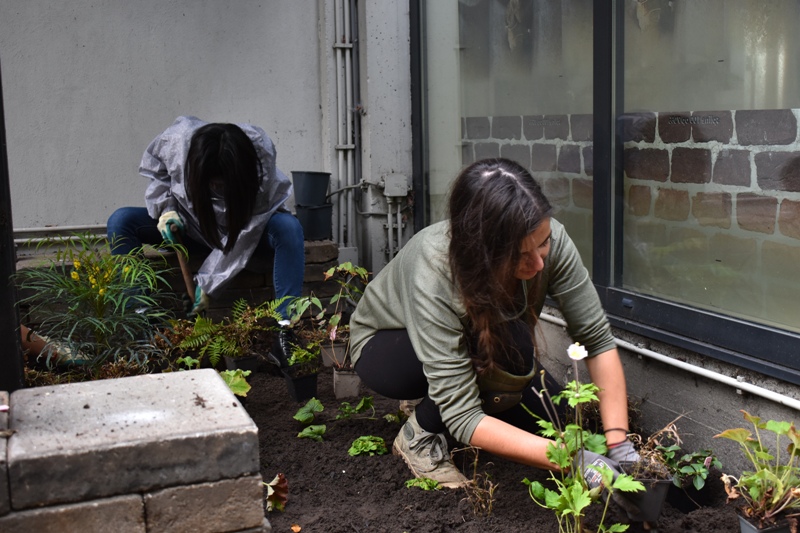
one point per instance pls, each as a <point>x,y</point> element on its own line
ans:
<point>494,205</point>
<point>222,152</point>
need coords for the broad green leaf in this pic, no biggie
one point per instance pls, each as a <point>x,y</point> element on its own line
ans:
<point>626,483</point>
<point>305,414</point>
<point>313,432</point>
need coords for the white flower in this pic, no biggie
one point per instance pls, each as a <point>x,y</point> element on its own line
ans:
<point>577,352</point>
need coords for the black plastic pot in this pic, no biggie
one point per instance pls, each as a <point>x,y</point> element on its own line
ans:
<point>301,388</point>
<point>745,526</point>
<point>310,187</point>
<point>316,221</point>
<point>249,362</point>
<point>650,501</point>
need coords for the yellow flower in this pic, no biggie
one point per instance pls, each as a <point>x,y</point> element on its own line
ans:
<point>125,270</point>
<point>101,292</point>
<point>76,264</point>
<point>75,276</point>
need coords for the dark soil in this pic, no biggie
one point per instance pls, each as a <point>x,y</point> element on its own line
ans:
<point>330,491</point>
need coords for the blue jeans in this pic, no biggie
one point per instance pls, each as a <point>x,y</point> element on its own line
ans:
<point>129,228</point>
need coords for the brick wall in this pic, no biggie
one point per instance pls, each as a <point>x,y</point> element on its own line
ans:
<point>712,198</point>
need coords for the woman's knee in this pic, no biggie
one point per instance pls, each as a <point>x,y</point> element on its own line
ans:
<point>285,229</point>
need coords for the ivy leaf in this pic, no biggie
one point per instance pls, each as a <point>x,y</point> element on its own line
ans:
<point>305,415</point>
<point>313,433</point>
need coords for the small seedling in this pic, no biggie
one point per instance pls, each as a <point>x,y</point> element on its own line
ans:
<point>348,411</point>
<point>423,483</point>
<point>189,362</point>
<point>368,445</point>
<point>305,415</point>
<point>313,432</point>
<point>236,380</point>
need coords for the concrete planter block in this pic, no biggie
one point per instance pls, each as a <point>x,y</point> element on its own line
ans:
<point>122,514</point>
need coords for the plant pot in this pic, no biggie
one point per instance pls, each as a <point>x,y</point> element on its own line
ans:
<point>301,388</point>
<point>316,221</point>
<point>650,501</point>
<point>745,526</point>
<point>333,353</point>
<point>248,362</point>
<point>310,187</point>
<point>346,384</point>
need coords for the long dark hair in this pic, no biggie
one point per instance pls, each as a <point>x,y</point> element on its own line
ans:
<point>494,205</point>
<point>225,153</point>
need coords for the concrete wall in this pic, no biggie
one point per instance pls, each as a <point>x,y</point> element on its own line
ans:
<point>87,84</point>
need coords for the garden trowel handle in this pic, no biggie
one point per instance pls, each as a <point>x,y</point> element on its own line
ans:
<point>182,260</point>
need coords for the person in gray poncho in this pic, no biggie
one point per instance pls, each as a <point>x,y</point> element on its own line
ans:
<point>220,186</point>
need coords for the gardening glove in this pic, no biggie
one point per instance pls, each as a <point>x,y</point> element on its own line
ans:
<point>623,452</point>
<point>201,302</point>
<point>165,222</point>
<point>590,464</point>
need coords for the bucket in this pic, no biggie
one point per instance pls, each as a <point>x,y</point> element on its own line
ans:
<point>316,221</point>
<point>310,188</point>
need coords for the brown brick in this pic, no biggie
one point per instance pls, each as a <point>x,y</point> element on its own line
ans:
<point>756,213</point>
<point>637,127</point>
<point>639,197</point>
<point>789,218</point>
<point>569,159</point>
<point>556,190</point>
<point>556,127</point>
<point>478,127</point>
<point>712,209</point>
<point>712,126</point>
<point>732,168</point>
<point>768,126</point>
<point>507,127</point>
<point>778,171</point>
<point>533,127</point>
<point>674,127</point>
<point>582,127</point>
<point>647,164</point>
<point>582,193</point>
<point>543,157</point>
<point>321,251</point>
<point>521,153</point>
<point>672,204</point>
<point>486,150</point>
<point>588,160</point>
<point>691,165</point>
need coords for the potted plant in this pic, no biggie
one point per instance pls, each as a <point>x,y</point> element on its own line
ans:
<point>301,373</point>
<point>770,492</point>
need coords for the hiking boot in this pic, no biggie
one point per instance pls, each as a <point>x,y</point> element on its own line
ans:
<point>282,349</point>
<point>426,455</point>
<point>408,406</point>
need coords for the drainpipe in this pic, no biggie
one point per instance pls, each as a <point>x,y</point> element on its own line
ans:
<point>740,386</point>
<point>11,363</point>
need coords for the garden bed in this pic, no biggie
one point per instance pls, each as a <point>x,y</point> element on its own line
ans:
<point>330,491</point>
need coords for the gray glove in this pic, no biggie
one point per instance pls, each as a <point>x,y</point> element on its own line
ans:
<point>623,452</point>
<point>590,463</point>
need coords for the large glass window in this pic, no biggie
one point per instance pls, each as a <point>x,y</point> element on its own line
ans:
<point>513,79</point>
<point>709,122</point>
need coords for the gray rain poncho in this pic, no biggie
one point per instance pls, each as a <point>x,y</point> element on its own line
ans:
<point>163,162</point>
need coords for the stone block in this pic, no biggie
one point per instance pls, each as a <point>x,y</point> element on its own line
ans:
<point>582,193</point>
<point>766,126</point>
<point>637,127</point>
<point>646,164</point>
<point>582,127</point>
<point>789,218</point>
<point>732,168</point>
<point>533,127</point>
<point>712,209</point>
<point>569,159</point>
<point>478,127</point>
<point>588,160</point>
<point>97,439</point>
<point>712,126</point>
<point>543,157</point>
<point>556,127</point>
<point>507,127</point>
<point>674,127</point>
<point>672,204</point>
<point>123,514</point>
<point>691,165</point>
<point>226,505</point>
<point>778,171</point>
<point>756,213</point>
<point>639,198</point>
<point>486,150</point>
<point>321,251</point>
<point>5,505</point>
<point>521,153</point>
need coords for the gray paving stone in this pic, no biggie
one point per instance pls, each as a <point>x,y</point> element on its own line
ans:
<point>123,514</point>
<point>84,441</point>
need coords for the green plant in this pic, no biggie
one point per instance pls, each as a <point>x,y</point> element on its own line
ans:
<point>368,445</point>
<point>102,306</point>
<point>352,280</point>
<point>772,488</point>
<point>231,337</point>
<point>307,413</point>
<point>313,432</point>
<point>423,483</point>
<point>236,380</point>
<point>572,495</point>
<point>346,410</point>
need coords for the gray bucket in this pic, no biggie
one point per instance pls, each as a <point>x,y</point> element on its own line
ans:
<point>316,221</point>
<point>310,187</point>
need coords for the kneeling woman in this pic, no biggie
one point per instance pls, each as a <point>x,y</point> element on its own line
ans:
<point>451,320</point>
